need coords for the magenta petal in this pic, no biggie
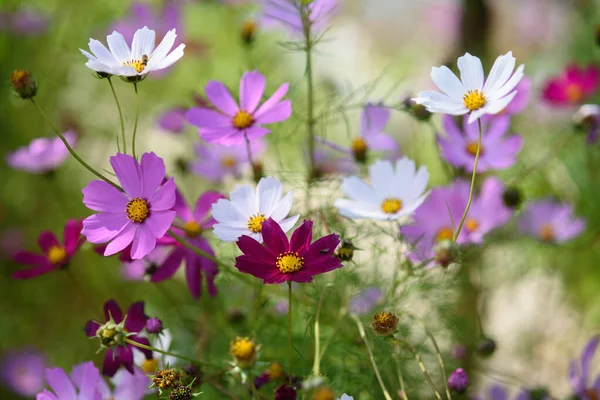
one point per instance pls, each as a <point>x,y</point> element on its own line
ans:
<point>91,328</point>
<point>218,135</point>
<point>218,94</point>
<point>253,133</point>
<point>204,118</point>
<point>112,309</point>
<point>275,277</point>
<point>100,196</point>
<point>272,101</point>
<point>164,198</point>
<point>128,172</point>
<point>274,237</point>
<point>317,249</point>
<point>135,319</point>
<point>122,240</point>
<point>169,266</point>
<point>46,240</point>
<point>143,242</point>
<point>252,87</point>
<point>278,113</point>
<point>253,248</point>
<point>72,235</point>
<point>33,272</point>
<point>205,202</point>
<point>159,222</point>
<point>302,237</point>
<point>152,170</point>
<point>193,275</point>
<point>254,266</point>
<point>100,228</point>
<point>111,363</point>
<point>27,258</point>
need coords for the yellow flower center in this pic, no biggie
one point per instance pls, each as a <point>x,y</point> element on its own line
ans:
<point>289,262</point>
<point>138,65</point>
<point>192,229</point>
<point>359,149</point>
<point>391,205</point>
<point>228,161</point>
<point>474,99</point>
<point>471,224</point>
<point>472,149</point>
<point>574,93</point>
<point>323,394</point>
<point>57,255</point>
<point>150,366</point>
<point>255,222</point>
<point>385,323</point>
<point>275,371</point>
<point>243,349</point>
<point>242,120</point>
<point>444,234</point>
<point>137,210</point>
<point>547,233</point>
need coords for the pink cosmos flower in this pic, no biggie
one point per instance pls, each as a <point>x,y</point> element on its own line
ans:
<point>280,260</point>
<point>231,124</point>
<point>138,216</point>
<point>289,14</point>
<point>22,371</point>
<point>194,222</point>
<point>56,255</point>
<point>84,383</point>
<point>215,161</point>
<point>573,86</point>
<point>550,221</point>
<point>42,155</point>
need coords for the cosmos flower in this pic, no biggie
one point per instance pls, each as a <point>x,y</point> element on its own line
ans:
<point>519,102</point>
<point>280,260</point>
<point>550,221</point>
<point>138,61</point>
<point>471,94</point>
<point>579,373</point>
<point>573,86</point>
<point>289,13</point>
<point>135,321</point>
<point>126,386</point>
<point>396,192</point>
<point>84,383</point>
<point>232,124</point>
<point>498,151</point>
<point>364,302</point>
<point>144,268</point>
<point>173,120</point>
<point>248,208</point>
<point>22,371</point>
<point>587,118</point>
<point>140,215</point>
<point>194,223</point>
<point>55,255</point>
<point>215,161</point>
<point>41,155</point>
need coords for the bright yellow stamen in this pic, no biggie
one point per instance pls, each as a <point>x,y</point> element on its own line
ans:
<point>255,222</point>
<point>137,210</point>
<point>149,366</point>
<point>289,262</point>
<point>192,229</point>
<point>323,394</point>
<point>138,65</point>
<point>474,99</point>
<point>391,205</point>
<point>445,234</point>
<point>228,161</point>
<point>472,149</point>
<point>574,93</point>
<point>243,349</point>
<point>547,233</point>
<point>57,255</point>
<point>242,120</point>
<point>471,224</point>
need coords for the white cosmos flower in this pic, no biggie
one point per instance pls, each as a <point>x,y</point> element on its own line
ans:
<point>470,94</point>
<point>141,59</point>
<point>346,397</point>
<point>395,192</point>
<point>248,208</point>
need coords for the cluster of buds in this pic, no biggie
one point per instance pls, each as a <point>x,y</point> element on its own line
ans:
<point>385,323</point>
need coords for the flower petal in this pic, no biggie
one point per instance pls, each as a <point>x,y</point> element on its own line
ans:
<point>46,240</point>
<point>277,113</point>
<point>122,240</point>
<point>164,198</point>
<point>302,237</point>
<point>471,72</point>
<point>72,235</point>
<point>143,242</point>
<point>161,51</point>
<point>253,248</point>
<point>448,82</point>
<point>218,94</point>
<point>275,239</point>
<point>112,310</point>
<point>501,70</point>
<point>252,87</point>
<point>100,228</point>
<point>128,172</point>
<point>159,222</point>
<point>268,194</point>
<point>204,204</point>
<point>60,383</point>
<point>282,208</point>
<point>34,272</point>
<point>152,172</point>
<point>142,43</point>
<point>205,118</point>
<point>272,101</point>
<point>358,190</point>
<point>169,266</point>
<point>118,47</point>
<point>100,196</point>
<point>135,319</point>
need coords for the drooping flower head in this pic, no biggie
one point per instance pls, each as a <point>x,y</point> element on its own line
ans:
<point>137,61</point>
<point>586,387</point>
<point>573,86</point>
<point>290,13</point>
<point>134,323</point>
<point>41,155</point>
<point>22,371</point>
<point>56,255</point>
<point>85,383</point>
<point>195,223</point>
<point>138,216</point>
<point>551,221</point>
<point>396,191</point>
<point>472,94</point>
<point>248,208</point>
<point>232,124</point>
<point>215,161</point>
<point>282,260</point>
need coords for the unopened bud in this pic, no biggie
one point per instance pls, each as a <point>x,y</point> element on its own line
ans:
<point>385,323</point>
<point>23,84</point>
<point>181,393</point>
<point>111,334</point>
<point>418,111</point>
<point>258,171</point>
<point>244,352</point>
<point>154,325</point>
<point>458,380</point>
<point>486,347</point>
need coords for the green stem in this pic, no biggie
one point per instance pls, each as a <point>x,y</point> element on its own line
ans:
<point>250,159</point>
<point>290,331</point>
<point>317,362</point>
<point>70,149</point>
<point>112,88</point>
<point>167,353</point>
<point>137,114</point>
<point>253,388</point>
<point>462,220</point>
<point>196,250</point>
<point>417,357</point>
<point>310,119</point>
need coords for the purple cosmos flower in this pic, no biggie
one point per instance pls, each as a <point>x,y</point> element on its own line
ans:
<point>144,268</point>
<point>56,255</point>
<point>139,216</point>
<point>232,124</point>
<point>135,321</point>
<point>41,155</point>
<point>24,23</point>
<point>497,150</point>
<point>280,260</point>
<point>127,386</point>
<point>215,161</point>
<point>22,371</point>
<point>195,223</point>
<point>519,102</point>
<point>289,13</point>
<point>364,302</point>
<point>84,383</point>
<point>551,221</point>
<point>173,120</point>
<point>579,373</point>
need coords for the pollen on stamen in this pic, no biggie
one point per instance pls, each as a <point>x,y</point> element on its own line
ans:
<point>138,65</point>
<point>474,100</point>
<point>137,210</point>
<point>242,120</point>
<point>57,255</point>
<point>255,222</point>
<point>289,262</point>
<point>391,205</point>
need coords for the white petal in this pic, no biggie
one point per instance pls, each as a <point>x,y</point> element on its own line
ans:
<point>268,193</point>
<point>439,102</point>
<point>382,175</point>
<point>419,184</point>
<point>226,213</point>
<point>118,47</point>
<point>471,72</point>
<point>501,71</point>
<point>101,52</point>
<point>172,58</point>
<point>229,233</point>
<point>288,223</point>
<point>448,82</point>
<point>510,85</point>
<point>282,209</point>
<point>162,50</point>
<point>495,106</point>
<point>404,176</point>
<point>358,190</point>
<point>244,199</point>
<point>143,43</point>
<point>356,209</point>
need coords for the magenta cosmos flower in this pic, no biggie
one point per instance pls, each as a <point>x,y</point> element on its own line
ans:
<point>232,124</point>
<point>280,260</point>
<point>138,216</point>
<point>42,155</point>
<point>573,86</point>
<point>135,321</point>
<point>289,13</point>
<point>56,255</point>
<point>498,151</point>
<point>550,221</point>
<point>194,223</point>
<point>84,384</point>
<point>215,161</point>
<point>579,373</point>
<point>22,371</point>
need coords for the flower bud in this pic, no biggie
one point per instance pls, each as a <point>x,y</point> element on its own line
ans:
<point>486,347</point>
<point>154,325</point>
<point>23,84</point>
<point>248,32</point>
<point>458,380</point>
<point>244,352</point>
<point>181,393</point>
<point>285,392</point>
<point>512,197</point>
<point>446,252</point>
<point>111,335</point>
<point>385,323</point>
<point>418,111</point>
<point>236,316</point>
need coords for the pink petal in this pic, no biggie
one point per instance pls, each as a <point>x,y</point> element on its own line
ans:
<point>274,237</point>
<point>164,198</point>
<point>253,248</point>
<point>221,135</point>
<point>205,118</point>
<point>60,383</point>
<point>277,113</point>
<point>47,240</point>
<point>152,172</point>
<point>252,266</point>
<point>252,87</point>
<point>205,202</point>
<point>253,133</point>
<point>170,265</point>
<point>143,242</point>
<point>127,170</point>
<point>302,237</point>
<point>218,94</point>
<point>100,228</point>
<point>122,240</point>
<point>272,101</point>
<point>100,196</point>
<point>72,235</point>
<point>160,222</point>
<point>34,272</point>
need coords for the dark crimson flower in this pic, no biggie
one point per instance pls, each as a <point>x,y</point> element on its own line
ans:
<point>56,255</point>
<point>135,321</point>
<point>573,86</point>
<point>285,392</point>
<point>280,260</point>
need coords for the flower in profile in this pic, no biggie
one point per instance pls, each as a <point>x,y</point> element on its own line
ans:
<point>458,380</point>
<point>573,86</point>
<point>248,208</point>
<point>244,352</point>
<point>138,61</point>
<point>140,215</point>
<point>22,371</point>
<point>85,383</point>
<point>231,124</point>
<point>471,94</point>
<point>23,84</point>
<point>498,151</point>
<point>173,120</point>
<point>56,255</point>
<point>282,260</point>
<point>194,223</point>
<point>215,161</point>
<point>42,155</point>
<point>580,370</point>
<point>551,221</point>
<point>365,301</point>
<point>587,119</point>
<point>133,322</point>
<point>290,13</point>
<point>396,192</point>
<point>519,102</point>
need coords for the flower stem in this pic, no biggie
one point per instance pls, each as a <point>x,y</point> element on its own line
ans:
<point>310,119</point>
<point>413,350</point>
<point>137,114</point>
<point>462,220</point>
<point>73,153</point>
<point>167,353</point>
<point>317,362</point>
<point>250,159</point>
<point>112,88</point>
<point>361,330</point>
<point>290,331</point>
<point>196,250</point>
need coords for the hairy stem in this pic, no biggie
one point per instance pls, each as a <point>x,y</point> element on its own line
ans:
<point>112,88</point>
